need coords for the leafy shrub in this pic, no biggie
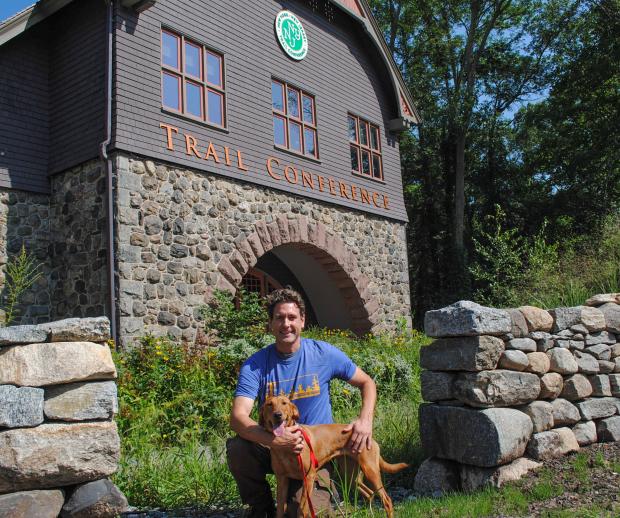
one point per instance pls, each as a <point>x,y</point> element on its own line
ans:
<point>245,319</point>
<point>22,271</point>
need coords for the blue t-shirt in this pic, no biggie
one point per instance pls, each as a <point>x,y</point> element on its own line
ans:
<point>304,377</point>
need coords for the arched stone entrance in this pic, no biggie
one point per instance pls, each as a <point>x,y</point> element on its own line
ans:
<point>287,236</point>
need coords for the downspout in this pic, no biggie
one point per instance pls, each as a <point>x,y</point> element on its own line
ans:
<point>103,153</point>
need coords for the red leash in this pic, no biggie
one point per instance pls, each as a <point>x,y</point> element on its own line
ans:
<point>315,464</point>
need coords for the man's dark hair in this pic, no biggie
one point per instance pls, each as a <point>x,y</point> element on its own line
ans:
<point>282,296</point>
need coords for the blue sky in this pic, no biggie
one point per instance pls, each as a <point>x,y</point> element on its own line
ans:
<point>9,7</point>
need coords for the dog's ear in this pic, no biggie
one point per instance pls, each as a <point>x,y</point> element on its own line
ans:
<point>261,416</point>
<point>294,412</point>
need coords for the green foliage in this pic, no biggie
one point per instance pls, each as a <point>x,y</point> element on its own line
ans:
<point>175,403</point>
<point>22,271</point>
<point>246,319</point>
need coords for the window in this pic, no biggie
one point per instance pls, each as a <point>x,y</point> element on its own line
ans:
<point>294,119</point>
<point>365,148</point>
<point>192,79</point>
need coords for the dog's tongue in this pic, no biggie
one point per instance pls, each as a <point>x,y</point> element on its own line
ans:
<point>279,430</point>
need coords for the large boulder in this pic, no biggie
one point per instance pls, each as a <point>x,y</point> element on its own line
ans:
<point>436,477</point>
<point>551,385</point>
<point>41,364</point>
<point>614,382</point>
<point>98,499</point>
<point>474,478</point>
<point>514,360</point>
<point>484,438</point>
<point>475,353</point>
<point>541,414</point>
<point>32,504</point>
<point>519,324</point>
<point>603,298</point>
<point>94,329</point>
<point>527,345</point>
<point>608,430</point>
<point>537,319</point>
<point>603,337</point>
<point>562,361</point>
<point>496,388</point>
<point>601,386</point>
<point>552,443</point>
<point>593,319</point>
<point>611,312</point>
<point>20,407</point>
<point>585,433</point>
<point>587,363</point>
<point>53,455</point>
<point>564,412</point>
<point>576,387</point>
<point>564,318</point>
<point>597,408</point>
<point>465,318</point>
<point>81,401</point>
<point>538,363</point>
<point>600,352</point>
<point>16,335</point>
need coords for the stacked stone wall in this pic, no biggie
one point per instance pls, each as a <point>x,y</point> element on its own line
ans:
<point>24,220</point>
<point>509,389</point>
<point>65,233</point>
<point>58,440</point>
<point>182,234</point>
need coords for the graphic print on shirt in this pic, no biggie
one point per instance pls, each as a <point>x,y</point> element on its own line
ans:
<point>307,386</point>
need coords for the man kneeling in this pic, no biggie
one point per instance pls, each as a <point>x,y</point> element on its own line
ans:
<point>302,370</point>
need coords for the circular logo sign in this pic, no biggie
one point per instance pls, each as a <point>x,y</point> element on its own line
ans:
<point>291,35</point>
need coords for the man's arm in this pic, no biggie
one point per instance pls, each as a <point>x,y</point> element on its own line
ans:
<point>362,426</point>
<point>246,427</point>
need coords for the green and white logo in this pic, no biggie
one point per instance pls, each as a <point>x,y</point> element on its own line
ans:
<point>291,35</point>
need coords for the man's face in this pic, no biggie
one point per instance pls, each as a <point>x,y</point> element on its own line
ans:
<point>286,324</point>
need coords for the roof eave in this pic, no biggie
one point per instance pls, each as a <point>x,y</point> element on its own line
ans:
<point>30,16</point>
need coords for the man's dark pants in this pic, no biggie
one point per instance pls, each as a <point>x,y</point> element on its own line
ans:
<point>250,462</point>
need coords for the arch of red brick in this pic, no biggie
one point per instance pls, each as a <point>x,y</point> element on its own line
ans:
<point>314,239</point>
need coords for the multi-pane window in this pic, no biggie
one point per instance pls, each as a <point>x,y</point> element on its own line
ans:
<point>294,119</point>
<point>365,148</point>
<point>192,79</point>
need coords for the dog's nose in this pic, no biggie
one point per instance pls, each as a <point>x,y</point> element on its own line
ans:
<point>278,415</point>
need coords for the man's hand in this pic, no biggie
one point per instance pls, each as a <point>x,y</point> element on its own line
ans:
<point>291,440</point>
<point>362,434</point>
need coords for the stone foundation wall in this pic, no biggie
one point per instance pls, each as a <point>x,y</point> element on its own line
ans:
<point>182,234</point>
<point>78,261</point>
<point>24,220</point>
<point>58,440</point>
<point>65,232</point>
<point>510,389</point>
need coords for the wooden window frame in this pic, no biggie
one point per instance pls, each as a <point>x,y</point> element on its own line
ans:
<point>360,148</point>
<point>289,118</point>
<point>184,78</point>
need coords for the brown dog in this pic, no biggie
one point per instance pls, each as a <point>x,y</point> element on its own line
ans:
<point>328,441</point>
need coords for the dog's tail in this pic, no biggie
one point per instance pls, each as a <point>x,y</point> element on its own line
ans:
<point>386,467</point>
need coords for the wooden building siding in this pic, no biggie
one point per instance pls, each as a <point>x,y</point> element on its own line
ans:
<point>24,128</point>
<point>77,83</point>
<point>341,70</point>
<point>52,96</point>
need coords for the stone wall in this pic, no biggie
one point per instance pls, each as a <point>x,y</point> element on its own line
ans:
<point>58,440</point>
<point>78,261</point>
<point>509,389</point>
<point>24,220</point>
<point>64,232</point>
<point>181,234</point>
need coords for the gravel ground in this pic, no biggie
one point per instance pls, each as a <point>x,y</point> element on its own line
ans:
<point>595,486</point>
<point>598,487</point>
